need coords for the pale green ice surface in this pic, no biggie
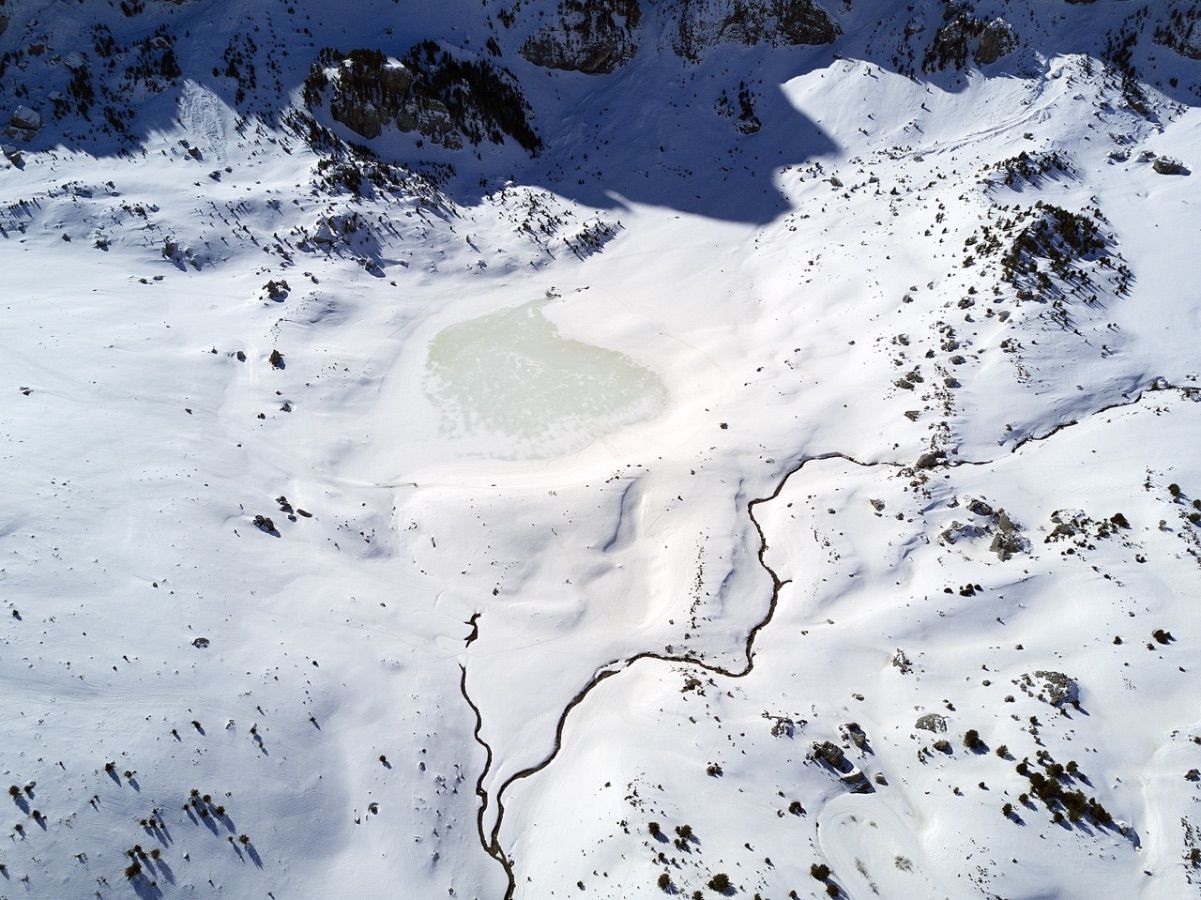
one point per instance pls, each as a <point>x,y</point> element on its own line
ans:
<point>512,378</point>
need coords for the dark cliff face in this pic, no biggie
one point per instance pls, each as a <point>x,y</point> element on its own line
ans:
<point>443,98</point>
<point>706,23</point>
<point>591,36</point>
<point>964,35</point>
<point>599,36</point>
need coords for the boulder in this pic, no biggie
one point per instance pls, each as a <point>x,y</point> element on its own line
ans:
<point>1165,165</point>
<point>931,722</point>
<point>25,122</point>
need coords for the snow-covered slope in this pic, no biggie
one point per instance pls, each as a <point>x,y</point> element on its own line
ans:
<point>591,448</point>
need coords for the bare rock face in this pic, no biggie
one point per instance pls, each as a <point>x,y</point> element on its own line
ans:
<point>441,97</point>
<point>997,39</point>
<point>706,23</point>
<point>591,36</point>
<point>962,35</point>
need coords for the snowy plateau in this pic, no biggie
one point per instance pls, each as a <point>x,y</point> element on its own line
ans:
<point>508,449</point>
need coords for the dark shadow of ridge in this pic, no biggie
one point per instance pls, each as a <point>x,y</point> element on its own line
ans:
<point>653,132</point>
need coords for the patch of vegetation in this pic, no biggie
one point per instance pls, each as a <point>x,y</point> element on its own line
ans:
<point>1030,168</point>
<point>1053,786</point>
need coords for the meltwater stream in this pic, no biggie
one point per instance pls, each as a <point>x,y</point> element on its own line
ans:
<point>512,383</point>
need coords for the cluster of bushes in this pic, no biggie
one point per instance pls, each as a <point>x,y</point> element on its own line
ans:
<point>1031,167</point>
<point>1052,787</point>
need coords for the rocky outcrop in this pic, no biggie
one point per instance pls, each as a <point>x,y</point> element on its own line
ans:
<point>1055,688</point>
<point>707,23</point>
<point>962,35</point>
<point>998,39</point>
<point>443,98</point>
<point>591,36</point>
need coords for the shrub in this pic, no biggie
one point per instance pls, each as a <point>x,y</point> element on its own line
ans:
<point>664,882</point>
<point>820,871</point>
<point>971,740</point>
<point>720,882</point>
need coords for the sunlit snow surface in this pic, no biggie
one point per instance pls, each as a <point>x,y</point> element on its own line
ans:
<point>512,379</point>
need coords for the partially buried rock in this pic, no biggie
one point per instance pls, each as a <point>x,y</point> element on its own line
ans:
<point>931,722</point>
<point>1055,688</point>
<point>831,754</point>
<point>1165,165</point>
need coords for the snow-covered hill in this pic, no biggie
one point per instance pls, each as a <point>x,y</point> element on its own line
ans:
<point>600,448</point>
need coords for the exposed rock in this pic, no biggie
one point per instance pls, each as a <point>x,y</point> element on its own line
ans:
<point>931,459</point>
<point>431,92</point>
<point>1009,540</point>
<point>901,661</point>
<point>957,531</point>
<point>998,39</point>
<point>590,36</point>
<point>706,23</point>
<point>277,290</point>
<point>782,726</point>
<point>830,753</point>
<point>931,722</point>
<point>962,34</point>
<point>25,123</point>
<point>1051,687</point>
<point>1165,165</point>
<point>855,734</point>
<point>980,508</point>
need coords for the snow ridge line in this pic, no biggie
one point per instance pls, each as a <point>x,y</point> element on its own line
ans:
<point>490,841</point>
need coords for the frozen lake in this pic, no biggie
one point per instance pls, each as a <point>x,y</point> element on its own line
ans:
<point>513,383</point>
